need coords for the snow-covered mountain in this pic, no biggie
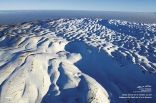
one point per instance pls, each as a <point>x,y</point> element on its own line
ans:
<point>77,61</point>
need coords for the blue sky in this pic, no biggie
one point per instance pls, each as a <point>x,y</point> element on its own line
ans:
<point>96,5</point>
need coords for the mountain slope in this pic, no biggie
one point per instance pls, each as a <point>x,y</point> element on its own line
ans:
<point>76,61</point>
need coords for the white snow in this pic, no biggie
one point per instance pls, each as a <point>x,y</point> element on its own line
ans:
<point>76,61</point>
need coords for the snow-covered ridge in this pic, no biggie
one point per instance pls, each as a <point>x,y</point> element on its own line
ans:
<point>75,60</point>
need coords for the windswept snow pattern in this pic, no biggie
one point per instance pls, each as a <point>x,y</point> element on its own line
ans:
<point>76,61</point>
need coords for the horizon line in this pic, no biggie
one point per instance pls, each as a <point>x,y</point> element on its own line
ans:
<point>82,10</point>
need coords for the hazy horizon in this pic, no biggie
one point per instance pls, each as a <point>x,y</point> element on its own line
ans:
<point>81,10</point>
<point>19,16</point>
